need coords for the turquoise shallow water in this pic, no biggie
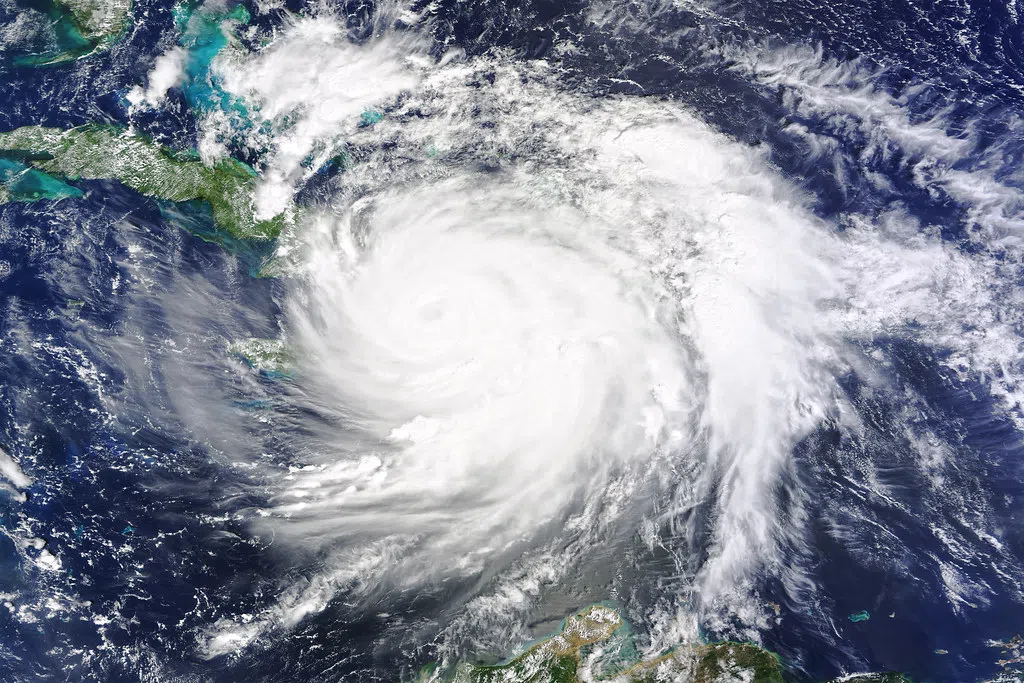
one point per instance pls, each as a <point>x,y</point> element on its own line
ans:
<point>27,184</point>
<point>69,43</point>
<point>204,35</point>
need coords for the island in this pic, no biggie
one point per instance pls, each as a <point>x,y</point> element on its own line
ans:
<point>269,357</point>
<point>587,641</point>
<point>103,152</point>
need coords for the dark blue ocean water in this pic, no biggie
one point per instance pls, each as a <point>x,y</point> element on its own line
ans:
<point>103,291</point>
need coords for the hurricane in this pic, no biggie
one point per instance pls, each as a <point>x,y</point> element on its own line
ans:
<point>489,354</point>
<point>393,341</point>
<point>479,341</point>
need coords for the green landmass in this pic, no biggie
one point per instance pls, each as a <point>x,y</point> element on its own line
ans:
<point>78,27</point>
<point>555,660</point>
<point>574,655</point>
<point>270,356</point>
<point>98,20</point>
<point>95,152</point>
<point>723,662</point>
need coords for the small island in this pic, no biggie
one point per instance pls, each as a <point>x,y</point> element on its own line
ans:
<point>270,357</point>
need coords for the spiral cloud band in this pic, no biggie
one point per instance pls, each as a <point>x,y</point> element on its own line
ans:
<point>532,327</point>
<point>501,358</point>
<point>502,367</point>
